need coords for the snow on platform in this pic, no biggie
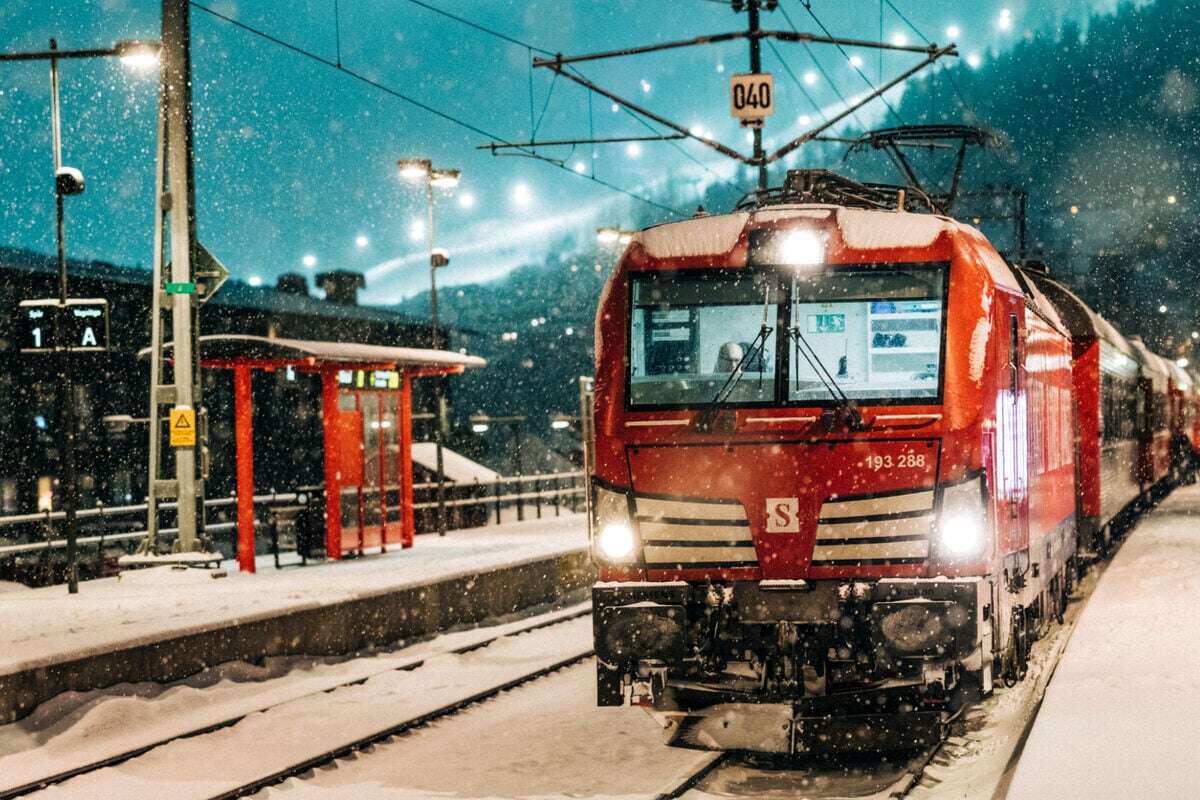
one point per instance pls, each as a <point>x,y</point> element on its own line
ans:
<point>1121,717</point>
<point>48,626</point>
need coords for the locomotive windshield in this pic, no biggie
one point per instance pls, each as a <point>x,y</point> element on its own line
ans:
<point>875,329</point>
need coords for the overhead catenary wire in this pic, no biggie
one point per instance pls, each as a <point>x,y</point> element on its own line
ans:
<point>808,7</point>
<point>947,72</point>
<point>380,86</point>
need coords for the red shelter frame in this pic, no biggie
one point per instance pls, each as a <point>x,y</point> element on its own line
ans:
<point>344,458</point>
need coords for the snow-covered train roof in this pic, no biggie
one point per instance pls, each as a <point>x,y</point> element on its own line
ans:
<point>1080,319</point>
<point>860,229</point>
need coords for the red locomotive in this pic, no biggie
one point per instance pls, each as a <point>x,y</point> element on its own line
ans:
<point>835,482</point>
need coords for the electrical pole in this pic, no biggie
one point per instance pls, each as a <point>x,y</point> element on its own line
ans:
<point>759,157</point>
<point>439,389</point>
<point>176,293</point>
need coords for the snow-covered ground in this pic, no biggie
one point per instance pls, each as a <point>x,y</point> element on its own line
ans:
<point>45,626</point>
<point>1121,718</point>
<point>310,726</point>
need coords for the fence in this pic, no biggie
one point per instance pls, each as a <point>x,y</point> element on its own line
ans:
<point>470,505</point>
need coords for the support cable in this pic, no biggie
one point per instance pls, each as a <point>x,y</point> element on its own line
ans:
<point>375,84</point>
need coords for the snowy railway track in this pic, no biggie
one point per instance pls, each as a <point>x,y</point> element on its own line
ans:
<point>473,644</point>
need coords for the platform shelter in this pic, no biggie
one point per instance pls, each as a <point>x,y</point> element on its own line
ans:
<point>366,408</point>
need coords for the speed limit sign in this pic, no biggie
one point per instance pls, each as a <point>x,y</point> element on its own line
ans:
<point>752,97</point>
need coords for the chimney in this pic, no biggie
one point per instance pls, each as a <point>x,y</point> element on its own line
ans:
<point>341,286</point>
<point>292,283</point>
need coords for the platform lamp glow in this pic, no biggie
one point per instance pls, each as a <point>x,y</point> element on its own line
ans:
<point>421,170</point>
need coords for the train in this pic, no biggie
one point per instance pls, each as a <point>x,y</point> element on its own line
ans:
<point>848,462</point>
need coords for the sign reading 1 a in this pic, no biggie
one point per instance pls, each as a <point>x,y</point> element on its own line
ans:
<point>79,325</point>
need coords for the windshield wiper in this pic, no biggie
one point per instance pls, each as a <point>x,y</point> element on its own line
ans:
<point>708,415</point>
<point>845,411</point>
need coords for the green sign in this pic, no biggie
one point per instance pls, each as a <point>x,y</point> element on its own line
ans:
<point>180,288</point>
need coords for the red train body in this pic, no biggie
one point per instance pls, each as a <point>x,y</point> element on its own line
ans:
<point>835,485</point>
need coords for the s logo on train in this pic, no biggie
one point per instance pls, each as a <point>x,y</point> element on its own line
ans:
<point>848,461</point>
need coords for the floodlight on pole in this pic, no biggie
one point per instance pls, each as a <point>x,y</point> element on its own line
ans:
<point>137,53</point>
<point>444,178</point>
<point>414,169</point>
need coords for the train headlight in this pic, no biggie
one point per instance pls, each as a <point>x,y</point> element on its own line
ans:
<point>962,527</point>
<point>615,540</point>
<point>792,247</point>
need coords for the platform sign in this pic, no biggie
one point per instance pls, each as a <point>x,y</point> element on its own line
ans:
<point>752,97</point>
<point>182,424</point>
<point>81,325</point>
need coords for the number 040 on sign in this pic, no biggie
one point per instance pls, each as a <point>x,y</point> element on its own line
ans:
<point>752,96</point>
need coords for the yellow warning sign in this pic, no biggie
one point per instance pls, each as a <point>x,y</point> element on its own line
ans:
<point>183,427</point>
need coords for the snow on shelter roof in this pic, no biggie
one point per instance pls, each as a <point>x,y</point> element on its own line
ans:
<point>227,346</point>
<point>455,466</point>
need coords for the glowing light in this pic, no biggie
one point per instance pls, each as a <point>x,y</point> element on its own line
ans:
<point>973,60</point>
<point>1004,23</point>
<point>521,195</point>
<point>607,235</point>
<point>414,169</point>
<point>899,40</point>
<point>479,427</point>
<point>579,167</point>
<point>633,149</point>
<point>749,137</point>
<point>805,119</point>
<point>1162,309</point>
<point>309,261</point>
<point>1196,334</point>
<point>961,534</point>
<point>801,248</point>
<point>361,241</point>
<point>1181,362</point>
<point>810,78</point>
<point>1171,199</point>
<point>616,541</point>
<point>444,178</point>
<point>255,280</point>
<point>570,331</point>
<point>560,423</point>
<point>1074,210</point>
<point>856,61</point>
<point>615,108</point>
<point>720,68</point>
<point>645,86</point>
<point>466,200</point>
<point>138,55</point>
<point>953,31</point>
<point>416,230</point>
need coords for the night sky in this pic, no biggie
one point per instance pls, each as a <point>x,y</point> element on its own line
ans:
<point>296,161</point>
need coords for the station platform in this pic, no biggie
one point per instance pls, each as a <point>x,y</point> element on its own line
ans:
<point>1121,716</point>
<point>162,624</point>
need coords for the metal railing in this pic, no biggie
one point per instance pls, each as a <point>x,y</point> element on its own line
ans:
<point>526,494</point>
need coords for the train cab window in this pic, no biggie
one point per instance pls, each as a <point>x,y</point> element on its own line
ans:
<point>877,330</point>
<point>690,331</point>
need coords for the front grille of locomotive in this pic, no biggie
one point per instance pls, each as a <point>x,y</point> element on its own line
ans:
<point>892,528</point>
<point>688,534</point>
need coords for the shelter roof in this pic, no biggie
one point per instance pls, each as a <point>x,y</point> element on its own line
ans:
<point>231,348</point>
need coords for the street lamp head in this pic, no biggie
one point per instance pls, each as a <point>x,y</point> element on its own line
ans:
<point>414,169</point>
<point>444,178</point>
<point>607,235</point>
<point>138,54</point>
<point>68,181</point>
<point>439,258</point>
<point>560,421</point>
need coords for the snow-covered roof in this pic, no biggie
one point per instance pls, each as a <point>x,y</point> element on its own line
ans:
<point>232,346</point>
<point>455,466</point>
<point>701,236</point>
<point>1080,319</point>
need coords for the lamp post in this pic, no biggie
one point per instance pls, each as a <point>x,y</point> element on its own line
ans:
<point>422,170</point>
<point>69,181</point>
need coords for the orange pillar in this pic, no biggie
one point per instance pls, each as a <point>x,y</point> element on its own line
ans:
<point>243,404</point>
<point>333,483</point>
<point>404,438</point>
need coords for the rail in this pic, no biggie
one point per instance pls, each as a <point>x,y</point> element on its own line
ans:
<point>536,494</point>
